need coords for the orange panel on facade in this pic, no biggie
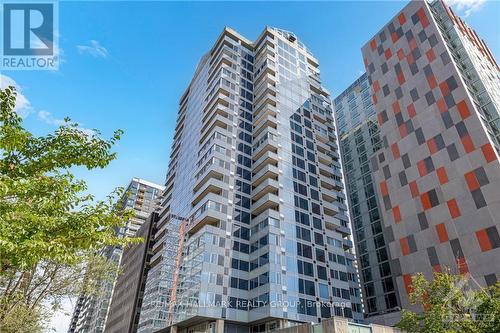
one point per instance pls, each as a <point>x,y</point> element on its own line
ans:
<point>453,208</point>
<point>442,233</point>
<point>430,55</point>
<point>472,183</point>
<point>463,110</point>
<point>413,189</point>
<point>426,201</point>
<point>468,144</point>
<point>484,241</point>
<point>395,151</point>
<point>442,176</point>
<point>488,152</point>
<point>396,212</point>
<point>383,188</point>
<point>402,18</point>
<point>405,248</point>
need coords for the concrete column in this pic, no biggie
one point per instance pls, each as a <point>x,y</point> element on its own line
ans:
<point>173,329</point>
<point>219,326</point>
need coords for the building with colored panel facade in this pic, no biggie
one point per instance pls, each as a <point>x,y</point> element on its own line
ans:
<point>255,183</point>
<point>359,136</point>
<point>90,313</point>
<point>435,89</point>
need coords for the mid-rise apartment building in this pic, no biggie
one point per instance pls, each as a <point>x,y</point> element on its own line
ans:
<point>128,293</point>
<point>90,313</point>
<point>435,88</point>
<point>359,137</point>
<point>253,222</point>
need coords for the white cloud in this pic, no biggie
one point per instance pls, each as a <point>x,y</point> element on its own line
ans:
<point>23,105</point>
<point>48,118</point>
<point>466,7</point>
<point>95,49</point>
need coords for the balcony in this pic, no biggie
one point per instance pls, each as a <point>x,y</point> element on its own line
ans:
<point>268,201</point>
<point>265,110</point>
<point>210,212</point>
<point>265,87</point>
<point>267,186</point>
<point>265,143</point>
<point>324,158</point>
<point>213,185</point>
<point>265,215</point>
<point>266,73</point>
<point>329,208</point>
<point>347,244</point>
<point>335,225</point>
<point>323,147</point>
<point>265,122</point>
<point>217,121</point>
<point>269,171</point>
<point>269,157</point>
<point>329,195</point>
<point>326,182</point>
<point>269,97</point>
<point>214,170</point>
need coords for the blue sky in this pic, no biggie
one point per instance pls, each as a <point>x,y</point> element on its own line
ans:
<point>125,64</point>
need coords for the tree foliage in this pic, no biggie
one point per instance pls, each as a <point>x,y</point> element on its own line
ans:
<point>451,304</point>
<point>50,230</point>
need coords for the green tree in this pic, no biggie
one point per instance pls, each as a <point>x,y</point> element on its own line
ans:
<point>448,304</point>
<point>50,230</point>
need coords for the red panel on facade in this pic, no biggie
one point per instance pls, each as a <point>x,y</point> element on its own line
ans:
<point>411,110</point>
<point>395,151</point>
<point>468,144</point>
<point>443,86</point>
<point>376,86</point>
<point>410,58</point>
<point>388,54</point>
<point>442,233</point>
<point>423,18</point>
<point>395,107</point>
<point>453,208</point>
<point>396,212</point>
<point>422,170</point>
<point>432,81</point>
<point>442,176</point>
<point>430,55</point>
<point>484,241</point>
<point>408,283</point>
<point>402,18</point>
<point>472,183</point>
<point>401,78</point>
<point>413,44</point>
<point>402,130</point>
<point>405,248</point>
<point>414,189</point>
<point>383,188</point>
<point>394,37</point>
<point>441,105</point>
<point>462,266</point>
<point>463,109</point>
<point>401,54</point>
<point>426,201</point>
<point>373,44</point>
<point>488,152</point>
<point>431,144</point>
<point>380,119</point>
